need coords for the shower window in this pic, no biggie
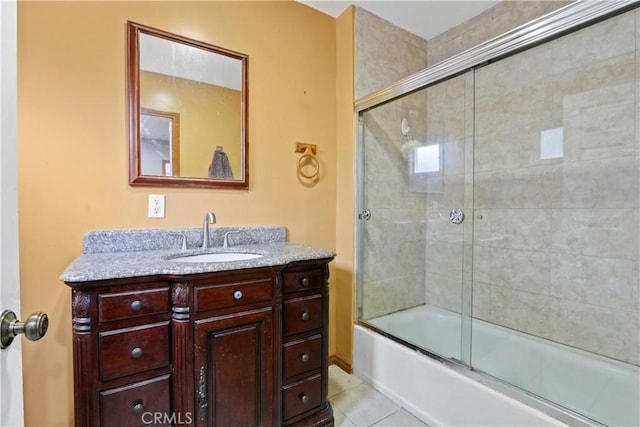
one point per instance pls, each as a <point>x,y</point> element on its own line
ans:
<point>427,159</point>
<point>509,238</point>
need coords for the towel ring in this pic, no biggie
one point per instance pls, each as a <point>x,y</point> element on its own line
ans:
<point>308,156</point>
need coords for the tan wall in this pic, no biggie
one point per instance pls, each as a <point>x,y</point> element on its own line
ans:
<point>344,292</point>
<point>73,147</point>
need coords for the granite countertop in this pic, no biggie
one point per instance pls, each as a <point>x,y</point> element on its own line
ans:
<point>134,256</point>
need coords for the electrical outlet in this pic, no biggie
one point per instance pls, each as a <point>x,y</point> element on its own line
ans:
<point>156,205</point>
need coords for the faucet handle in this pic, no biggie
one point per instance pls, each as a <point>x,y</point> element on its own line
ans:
<point>225,243</point>
<point>184,240</point>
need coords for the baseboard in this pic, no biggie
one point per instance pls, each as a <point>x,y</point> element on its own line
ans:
<point>340,363</point>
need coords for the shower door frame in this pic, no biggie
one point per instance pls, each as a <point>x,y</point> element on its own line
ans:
<point>567,19</point>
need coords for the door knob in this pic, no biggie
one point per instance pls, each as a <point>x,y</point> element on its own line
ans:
<point>33,328</point>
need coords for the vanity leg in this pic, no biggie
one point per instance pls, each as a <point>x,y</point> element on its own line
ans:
<point>183,406</point>
<point>85,362</point>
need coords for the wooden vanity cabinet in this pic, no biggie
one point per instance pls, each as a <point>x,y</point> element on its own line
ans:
<point>121,351</point>
<point>234,348</point>
<point>305,346</point>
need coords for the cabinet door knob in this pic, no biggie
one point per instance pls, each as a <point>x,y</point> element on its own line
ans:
<point>237,295</point>
<point>305,281</point>
<point>304,316</point>
<point>304,357</point>
<point>136,353</point>
<point>138,408</point>
<point>136,305</point>
<point>304,398</point>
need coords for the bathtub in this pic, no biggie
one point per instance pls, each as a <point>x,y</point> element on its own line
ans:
<point>446,394</point>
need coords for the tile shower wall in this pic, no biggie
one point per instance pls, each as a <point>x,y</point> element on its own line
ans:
<point>448,121</point>
<point>556,182</point>
<point>427,257</point>
<point>497,20</point>
<point>384,53</point>
<point>394,237</point>
<point>450,126</point>
<point>396,231</point>
<point>556,253</point>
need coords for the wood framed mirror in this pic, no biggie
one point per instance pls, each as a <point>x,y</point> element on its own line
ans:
<point>187,112</point>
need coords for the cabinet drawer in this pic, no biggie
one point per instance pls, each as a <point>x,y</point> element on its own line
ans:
<point>131,350</point>
<point>214,296</point>
<point>135,404</point>
<point>302,280</point>
<point>124,305</point>
<point>301,396</point>
<point>302,356</point>
<point>302,314</point>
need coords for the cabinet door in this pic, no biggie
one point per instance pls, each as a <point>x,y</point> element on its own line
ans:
<point>234,369</point>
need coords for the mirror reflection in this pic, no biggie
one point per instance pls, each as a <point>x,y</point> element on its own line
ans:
<point>159,143</point>
<point>188,111</point>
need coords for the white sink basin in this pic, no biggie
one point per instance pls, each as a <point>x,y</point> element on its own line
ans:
<point>217,257</point>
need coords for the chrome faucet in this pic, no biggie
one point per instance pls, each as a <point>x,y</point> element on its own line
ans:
<point>209,218</point>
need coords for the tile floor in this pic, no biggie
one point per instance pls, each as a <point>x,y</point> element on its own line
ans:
<point>357,404</point>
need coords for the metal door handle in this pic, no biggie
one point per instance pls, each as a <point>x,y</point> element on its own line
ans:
<point>456,216</point>
<point>365,215</point>
<point>34,328</point>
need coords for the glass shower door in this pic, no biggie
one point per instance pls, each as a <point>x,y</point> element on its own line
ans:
<point>414,254</point>
<point>556,284</point>
<point>519,181</point>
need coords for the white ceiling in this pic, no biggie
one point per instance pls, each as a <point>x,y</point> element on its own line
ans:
<point>424,18</point>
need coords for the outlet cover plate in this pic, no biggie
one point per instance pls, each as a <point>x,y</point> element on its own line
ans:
<point>156,205</point>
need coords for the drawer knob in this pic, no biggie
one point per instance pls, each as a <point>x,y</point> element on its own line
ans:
<point>304,398</point>
<point>138,409</point>
<point>136,305</point>
<point>305,282</point>
<point>304,316</point>
<point>136,353</point>
<point>237,295</point>
<point>304,357</point>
